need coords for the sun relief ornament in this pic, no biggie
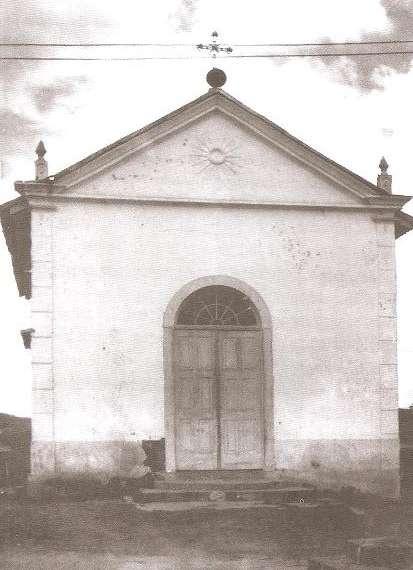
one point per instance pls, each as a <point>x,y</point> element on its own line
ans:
<point>218,155</point>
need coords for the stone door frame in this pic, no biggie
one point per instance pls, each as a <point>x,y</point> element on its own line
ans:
<point>169,390</point>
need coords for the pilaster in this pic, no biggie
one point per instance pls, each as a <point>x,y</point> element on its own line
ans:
<point>43,433</point>
<point>387,349</point>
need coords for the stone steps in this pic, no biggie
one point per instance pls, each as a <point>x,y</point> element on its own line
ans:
<point>220,474</point>
<point>215,484</point>
<point>295,517</point>
<point>291,504</point>
<point>264,494</point>
<point>211,506</point>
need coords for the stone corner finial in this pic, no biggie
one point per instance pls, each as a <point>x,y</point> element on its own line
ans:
<point>383,165</point>
<point>41,168</point>
<point>40,149</point>
<point>384,180</point>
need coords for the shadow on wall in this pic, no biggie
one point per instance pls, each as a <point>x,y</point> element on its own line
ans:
<point>155,454</point>
<point>406,453</point>
<point>15,437</point>
<point>154,450</point>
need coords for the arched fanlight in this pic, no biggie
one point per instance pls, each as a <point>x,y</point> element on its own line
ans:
<point>218,305</point>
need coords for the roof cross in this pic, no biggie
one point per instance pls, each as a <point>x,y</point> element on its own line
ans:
<point>214,47</point>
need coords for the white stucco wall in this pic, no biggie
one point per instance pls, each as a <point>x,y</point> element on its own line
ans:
<point>327,276</point>
<point>114,278</point>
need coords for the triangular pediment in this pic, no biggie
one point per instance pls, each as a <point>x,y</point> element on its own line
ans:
<point>214,148</point>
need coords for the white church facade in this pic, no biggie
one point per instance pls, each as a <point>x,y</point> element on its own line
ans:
<point>212,280</point>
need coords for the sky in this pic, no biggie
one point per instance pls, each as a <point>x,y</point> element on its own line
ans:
<point>354,110</point>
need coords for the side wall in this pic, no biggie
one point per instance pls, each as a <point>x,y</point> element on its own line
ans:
<point>327,277</point>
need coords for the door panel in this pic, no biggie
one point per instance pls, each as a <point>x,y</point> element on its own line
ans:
<point>241,422</point>
<point>218,399</point>
<point>195,399</point>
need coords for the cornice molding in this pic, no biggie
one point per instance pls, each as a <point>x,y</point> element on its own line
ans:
<point>50,201</point>
<point>47,187</point>
<point>396,201</point>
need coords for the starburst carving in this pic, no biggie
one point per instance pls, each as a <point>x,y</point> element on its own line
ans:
<point>217,154</point>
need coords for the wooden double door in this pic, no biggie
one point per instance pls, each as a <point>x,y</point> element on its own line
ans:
<point>218,391</point>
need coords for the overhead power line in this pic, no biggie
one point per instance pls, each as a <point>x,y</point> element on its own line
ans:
<point>125,44</point>
<point>86,44</point>
<point>248,56</point>
<point>332,44</point>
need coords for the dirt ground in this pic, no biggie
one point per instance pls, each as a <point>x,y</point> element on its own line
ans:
<point>106,535</point>
<point>114,534</point>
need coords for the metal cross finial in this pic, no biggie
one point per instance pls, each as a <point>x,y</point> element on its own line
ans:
<point>214,47</point>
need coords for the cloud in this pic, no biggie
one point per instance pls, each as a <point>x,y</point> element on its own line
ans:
<point>17,133</point>
<point>367,73</point>
<point>47,97</point>
<point>41,21</point>
<point>18,138</point>
<point>46,21</point>
<point>185,15</point>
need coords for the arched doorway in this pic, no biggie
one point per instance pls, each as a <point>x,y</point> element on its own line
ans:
<point>215,403</point>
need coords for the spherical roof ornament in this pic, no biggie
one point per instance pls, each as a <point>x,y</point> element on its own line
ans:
<point>216,78</point>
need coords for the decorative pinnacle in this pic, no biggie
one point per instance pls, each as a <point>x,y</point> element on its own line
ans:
<point>40,149</point>
<point>40,163</point>
<point>384,179</point>
<point>383,165</point>
<point>214,47</point>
